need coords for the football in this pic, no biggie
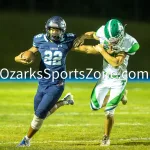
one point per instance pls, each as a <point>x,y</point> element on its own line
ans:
<point>28,55</point>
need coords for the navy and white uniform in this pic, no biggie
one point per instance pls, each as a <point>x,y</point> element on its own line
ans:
<point>53,59</point>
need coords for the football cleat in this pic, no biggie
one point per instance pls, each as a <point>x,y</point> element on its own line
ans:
<point>69,99</point>
<point>124,99</point>
<point>24,143</point>
<point>105,141</point>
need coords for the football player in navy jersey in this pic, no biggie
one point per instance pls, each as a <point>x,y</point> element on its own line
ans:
<point>53,48</point>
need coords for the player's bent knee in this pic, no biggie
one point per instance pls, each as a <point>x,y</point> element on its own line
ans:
<point>36,123</point>
<point>42,113</point>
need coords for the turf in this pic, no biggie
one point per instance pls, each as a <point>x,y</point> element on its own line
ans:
<point>74,127</point>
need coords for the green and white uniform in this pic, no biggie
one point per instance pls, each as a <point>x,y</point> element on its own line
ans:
<point>113,79</point>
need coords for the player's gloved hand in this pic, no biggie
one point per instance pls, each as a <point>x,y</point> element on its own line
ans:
<point>78,41</point>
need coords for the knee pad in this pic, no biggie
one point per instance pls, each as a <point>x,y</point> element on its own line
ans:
<point>36,123</point>
<point>110,113</point>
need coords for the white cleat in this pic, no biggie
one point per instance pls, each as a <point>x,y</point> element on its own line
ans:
<point>105,141</point>
<point>69,99</point>
<point>124,98</point>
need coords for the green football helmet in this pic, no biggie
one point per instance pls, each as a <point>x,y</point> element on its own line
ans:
<point>114,31</point>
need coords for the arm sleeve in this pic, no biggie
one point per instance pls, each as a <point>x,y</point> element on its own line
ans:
<point>135,47</point>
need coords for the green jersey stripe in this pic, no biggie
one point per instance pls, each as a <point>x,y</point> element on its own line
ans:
<point>94,99</point>
<point>116,100</point>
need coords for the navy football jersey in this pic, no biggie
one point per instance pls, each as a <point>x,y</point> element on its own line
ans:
<point>53,57</point>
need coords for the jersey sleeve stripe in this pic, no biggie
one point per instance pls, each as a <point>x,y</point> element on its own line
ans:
<point>134,48</point>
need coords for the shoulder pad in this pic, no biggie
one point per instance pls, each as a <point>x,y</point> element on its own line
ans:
<point>38,39</point>
<point>100,31</point>
<point>38,36</point>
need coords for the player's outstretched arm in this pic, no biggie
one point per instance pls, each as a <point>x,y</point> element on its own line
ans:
<point>89,49</point>
<point>23,60</point>
<point>88,35</point>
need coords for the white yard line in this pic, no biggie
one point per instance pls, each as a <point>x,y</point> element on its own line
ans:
<point>78,141</point>
<point>77,114</point>
<point>74,125</point>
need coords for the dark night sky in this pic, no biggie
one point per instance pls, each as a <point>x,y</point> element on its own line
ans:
<point>128,9</point>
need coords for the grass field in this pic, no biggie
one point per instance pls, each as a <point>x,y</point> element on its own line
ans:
<point>74,127</point>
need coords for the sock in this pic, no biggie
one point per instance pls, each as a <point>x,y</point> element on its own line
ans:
<point>65,102</point>
<point>27,137</point>
<point>48,114</point>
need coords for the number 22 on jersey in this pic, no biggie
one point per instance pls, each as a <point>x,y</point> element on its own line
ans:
<point>52,58</point>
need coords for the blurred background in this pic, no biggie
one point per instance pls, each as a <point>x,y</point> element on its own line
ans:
<point>20,20</point>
